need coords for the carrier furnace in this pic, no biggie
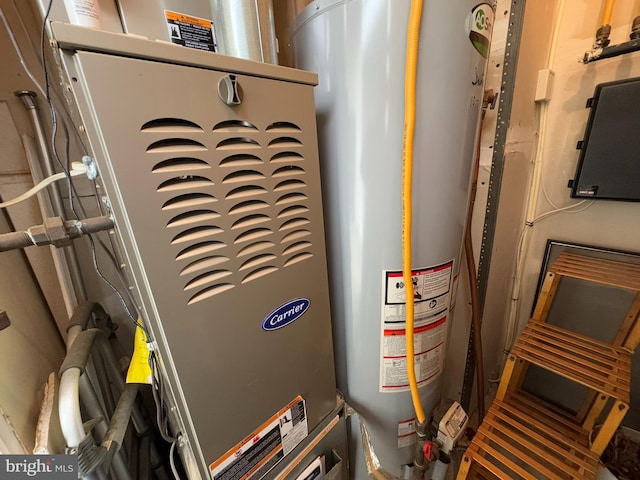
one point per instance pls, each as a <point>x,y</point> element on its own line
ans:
<point>210,167</point>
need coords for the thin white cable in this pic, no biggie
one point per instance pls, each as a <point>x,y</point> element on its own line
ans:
<point>76,170</point>
<point>520,253</point>
<point>19,52</point>
<point>566,209</point>
<point>172,462</point>
<point>532,202</point>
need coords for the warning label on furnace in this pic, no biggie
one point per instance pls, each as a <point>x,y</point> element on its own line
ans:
<point>191,31</point>
<point>431,293</point>
<point>263,449</point>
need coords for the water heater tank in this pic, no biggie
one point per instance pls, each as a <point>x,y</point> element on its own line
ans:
<point>358,49</point>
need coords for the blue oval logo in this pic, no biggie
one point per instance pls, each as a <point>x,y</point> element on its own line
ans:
<point>285,314</point>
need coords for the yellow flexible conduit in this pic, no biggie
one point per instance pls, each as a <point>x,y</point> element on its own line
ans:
<point>413,36</point>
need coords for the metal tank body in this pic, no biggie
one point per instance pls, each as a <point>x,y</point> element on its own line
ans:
<point>358,49</point>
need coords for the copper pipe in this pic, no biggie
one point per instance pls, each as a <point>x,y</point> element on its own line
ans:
<point>476,313</point>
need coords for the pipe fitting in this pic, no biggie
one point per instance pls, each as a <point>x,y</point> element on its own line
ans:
<point>54,231</point>
<point>419,463</point>
<point>28,98</point>
<point>613,51</point>
<point>90,165</point>
<point>602,36</point>
<point>421,430</point>
<point>635,29</point>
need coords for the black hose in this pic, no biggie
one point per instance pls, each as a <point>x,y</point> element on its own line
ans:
<point>612,51</point>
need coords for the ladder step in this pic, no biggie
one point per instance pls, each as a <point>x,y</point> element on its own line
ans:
<point>514,444</point>
<point>552,416</point>
<point>571,355</point>
<point>607,272</point>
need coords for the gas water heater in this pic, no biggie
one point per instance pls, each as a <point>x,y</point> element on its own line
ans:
<point>358,49</point>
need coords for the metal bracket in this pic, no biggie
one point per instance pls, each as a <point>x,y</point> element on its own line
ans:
<point>507,87</point>
<point>91,166</point>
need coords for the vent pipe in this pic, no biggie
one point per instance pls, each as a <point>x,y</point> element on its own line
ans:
<point>245,29</point>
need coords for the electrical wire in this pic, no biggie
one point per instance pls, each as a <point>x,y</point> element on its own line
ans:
<point>520,252</point>
<point>532,200</point>
<point>41,186</point>
<point>17,49</point>
<point>71,187</point>
<point>172,462</point>
<point>125,307</point>
<point>566,209</point>
<point>162,421</point>
<point>158,395</point>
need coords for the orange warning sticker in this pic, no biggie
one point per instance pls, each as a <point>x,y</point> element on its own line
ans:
<point>259,452</point>
<point>192,32</point>
<point>181,17</point>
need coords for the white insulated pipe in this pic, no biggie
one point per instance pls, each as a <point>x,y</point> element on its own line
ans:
<point>69,408</point>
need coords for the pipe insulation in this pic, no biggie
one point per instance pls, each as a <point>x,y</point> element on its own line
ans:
<point>120,420</point>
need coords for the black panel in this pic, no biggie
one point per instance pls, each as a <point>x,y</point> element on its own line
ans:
<point>609,165</point>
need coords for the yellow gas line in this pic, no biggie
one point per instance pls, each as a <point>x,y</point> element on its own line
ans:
<point>608,12</point>
<point>413,36</point>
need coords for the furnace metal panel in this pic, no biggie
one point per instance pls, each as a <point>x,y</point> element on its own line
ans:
<point>219,210</point>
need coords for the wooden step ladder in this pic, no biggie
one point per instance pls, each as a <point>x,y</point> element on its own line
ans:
<point>524,437</point>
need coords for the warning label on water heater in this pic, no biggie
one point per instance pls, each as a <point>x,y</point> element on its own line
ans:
<point>431,288</point>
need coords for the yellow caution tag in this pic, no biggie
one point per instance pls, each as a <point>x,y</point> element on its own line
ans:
<point>140,368</point>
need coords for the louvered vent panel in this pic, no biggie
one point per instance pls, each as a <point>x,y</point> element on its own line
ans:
<point>234,200</point>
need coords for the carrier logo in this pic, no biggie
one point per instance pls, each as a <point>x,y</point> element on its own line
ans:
<point>285,314</point>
